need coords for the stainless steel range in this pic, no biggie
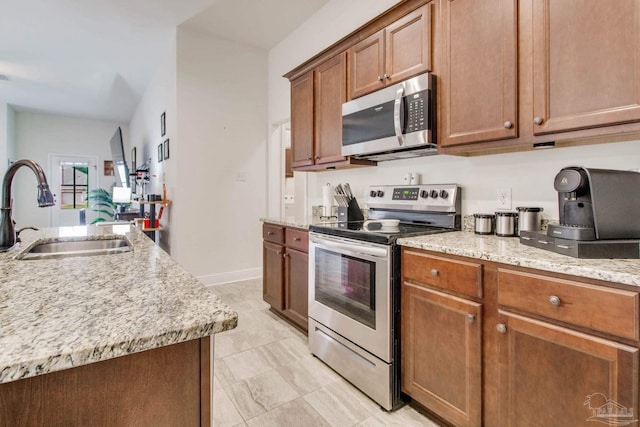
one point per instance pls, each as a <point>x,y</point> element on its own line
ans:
<point>354,283</point>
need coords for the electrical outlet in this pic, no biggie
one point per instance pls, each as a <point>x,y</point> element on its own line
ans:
<point>503,200</point>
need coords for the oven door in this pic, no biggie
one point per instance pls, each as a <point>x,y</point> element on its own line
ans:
<point>350,291</point>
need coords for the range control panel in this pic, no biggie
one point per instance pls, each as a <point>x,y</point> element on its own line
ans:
<point>425,197</point>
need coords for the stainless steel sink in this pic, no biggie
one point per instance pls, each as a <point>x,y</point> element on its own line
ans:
<point>74,248</point>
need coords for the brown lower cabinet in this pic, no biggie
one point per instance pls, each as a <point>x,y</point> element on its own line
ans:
<point>530,348</point>
<point>167,386</point>
<point>285,265</point>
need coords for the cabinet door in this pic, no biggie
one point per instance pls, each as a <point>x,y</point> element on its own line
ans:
<point>408,46</point>
<point>302,120</point>
<point>272,274</point>
<point>366,65</point>
<point>586,64</point>
<point>559,377</point>
<point>479,76</point>
<point>330,94</point>
<point>441,353</point>
<point>296,286</point>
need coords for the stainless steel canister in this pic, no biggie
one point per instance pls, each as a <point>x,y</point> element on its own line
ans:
<point>483,223</point>
<point>529,219</point>
<point>506,224</point>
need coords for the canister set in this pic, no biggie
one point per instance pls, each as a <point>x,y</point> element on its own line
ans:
<point>508,224</point>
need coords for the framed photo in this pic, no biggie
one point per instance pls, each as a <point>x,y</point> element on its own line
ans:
<point>163,129</point>
<point>159,153</point>
<point>108,168</point>
<point>166,149</point>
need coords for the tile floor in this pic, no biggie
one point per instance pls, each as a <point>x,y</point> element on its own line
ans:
<point>266,376</point>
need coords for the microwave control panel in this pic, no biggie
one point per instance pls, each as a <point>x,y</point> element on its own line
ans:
<point>415,104</point>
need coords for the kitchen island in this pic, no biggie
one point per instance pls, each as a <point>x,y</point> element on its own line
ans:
<point>118,339</point>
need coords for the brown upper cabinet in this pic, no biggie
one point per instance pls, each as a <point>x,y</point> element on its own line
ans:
<point>520,72</point>
<point>479,81</point>
<point>394,53</point>
<point>316,116</point>
<point>586,64</point>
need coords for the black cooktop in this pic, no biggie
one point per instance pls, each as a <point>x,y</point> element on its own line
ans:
<point>374,232</point>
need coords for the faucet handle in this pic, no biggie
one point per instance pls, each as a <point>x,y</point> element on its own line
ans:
<point>23,228</point>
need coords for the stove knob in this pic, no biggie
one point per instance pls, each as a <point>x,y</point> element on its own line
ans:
<point>373,193</point>
<point>434,194</point>
<point>380,193</point>
<point>424,194</point>
<point>444,194</point>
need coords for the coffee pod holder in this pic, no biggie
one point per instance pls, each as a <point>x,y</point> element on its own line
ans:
<point>351,212</point>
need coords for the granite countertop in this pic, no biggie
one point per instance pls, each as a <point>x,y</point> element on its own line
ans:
<point>290,221</point>
<point>62,313</point>
<point>509,250</point>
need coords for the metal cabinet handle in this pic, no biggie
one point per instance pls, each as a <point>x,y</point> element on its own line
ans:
<point>386,76</point>
<point>508,125</point>
<point>538,120</point>
<point>380,78</point>
<point>296,239</point>
<point>554,301</point>
<point>317,157</point>
<point>284,255</point>
<point>434,272</point>
<point>470,318</point>
<point>502,328</point>
<point>270,233</point>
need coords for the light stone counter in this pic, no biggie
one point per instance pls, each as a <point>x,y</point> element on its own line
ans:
<point>289,222</point>
<point>62,313</point>
<point>508,250</point>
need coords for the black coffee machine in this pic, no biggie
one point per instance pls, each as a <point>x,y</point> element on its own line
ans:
<point>599,215</point>
<point>597,204</point>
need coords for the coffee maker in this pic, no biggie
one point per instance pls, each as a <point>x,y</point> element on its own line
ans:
<point>597,204</point>
<point>598,212</point>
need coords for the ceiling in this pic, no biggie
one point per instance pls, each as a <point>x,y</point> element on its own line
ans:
<point>95,58</point>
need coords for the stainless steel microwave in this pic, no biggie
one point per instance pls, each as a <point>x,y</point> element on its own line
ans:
<point>392,123</point>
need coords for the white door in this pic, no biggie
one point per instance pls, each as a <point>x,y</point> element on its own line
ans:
<point>70,179</point>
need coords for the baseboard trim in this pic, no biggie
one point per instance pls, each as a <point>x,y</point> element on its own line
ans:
<point>231,276</point>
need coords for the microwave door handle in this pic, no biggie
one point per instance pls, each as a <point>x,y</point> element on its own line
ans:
<point>397,115</point>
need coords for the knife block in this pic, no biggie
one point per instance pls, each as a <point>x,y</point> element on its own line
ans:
<point>351,212</point>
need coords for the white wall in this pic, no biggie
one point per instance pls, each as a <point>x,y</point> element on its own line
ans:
<point>221,166</point>
<point>529,174</point>
<point>159,97</point>
<point>38,135</point>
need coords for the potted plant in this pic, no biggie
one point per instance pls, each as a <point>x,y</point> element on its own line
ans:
<point>101,202</point>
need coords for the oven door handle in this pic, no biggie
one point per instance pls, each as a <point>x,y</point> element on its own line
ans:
<point>351,249</point>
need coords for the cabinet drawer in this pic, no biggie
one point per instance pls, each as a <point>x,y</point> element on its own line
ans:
<point>459,276</point>
<point>273,233</point>
<point>608,310</point>
<point>297,239</point>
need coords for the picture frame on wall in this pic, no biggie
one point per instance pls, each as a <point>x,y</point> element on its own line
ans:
<point>163,128</point>
<point>159,153</point>
<point>108,168</point>
<point>166,149</point>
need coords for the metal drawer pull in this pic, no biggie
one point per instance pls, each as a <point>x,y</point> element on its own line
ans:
<point>502,328</point>
<point>270,233</point>
<point>554,301</point>
<point>434,272</point>
<point>470,318</point>
<point>538,120</point>
<point>508,125</point>
<point>564,246</point>
<point>296,239</point>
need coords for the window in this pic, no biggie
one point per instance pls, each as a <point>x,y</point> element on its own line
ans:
<point>74,185</point>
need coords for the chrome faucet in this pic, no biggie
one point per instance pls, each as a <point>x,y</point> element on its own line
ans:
<point>45,198</point>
